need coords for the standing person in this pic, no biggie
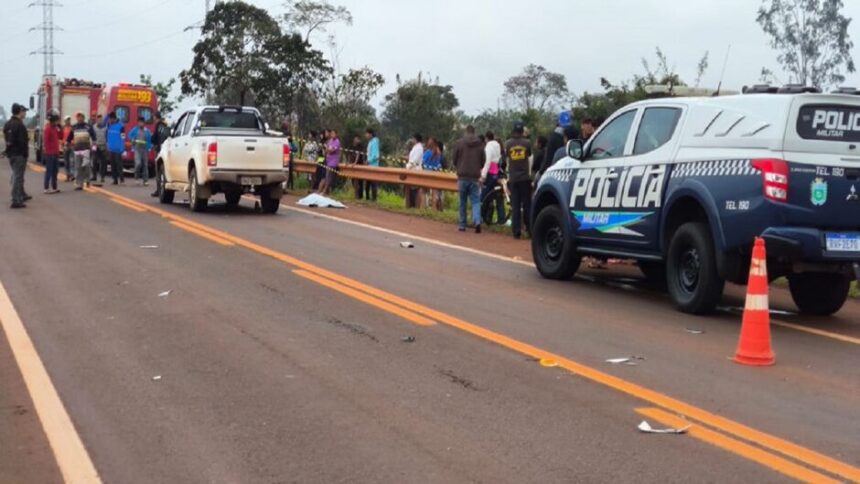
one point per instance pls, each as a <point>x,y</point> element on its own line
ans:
<point>517,152</point>
<point>332,161</point>
<point>82,140</point>
<point>310,152</point>
<point>556,140</point>
<point>433,162</point>
<point>372,160</point>
<point>570,133</point>
<point>319,176</point>
<point>358,158</point>
<point>67,149</point>
<point>159,137</point>
<point>115,147</point>
<point>101,159</point>
<point>469,158</point>
<point>141,142</point>
<point>18,150</point>
<point>414,162</point>
<point>51,152</point>
<point>537,154</point>
<point>490,175</point>
<point>587,127</point>
<point>294,150</point>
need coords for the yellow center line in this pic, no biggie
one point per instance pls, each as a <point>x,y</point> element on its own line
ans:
<point>737,447</point>
<point>127,205</point>
<point>407,315</point>
<point>763,439</point>
<point>200,233</point>
<point>69,451</point>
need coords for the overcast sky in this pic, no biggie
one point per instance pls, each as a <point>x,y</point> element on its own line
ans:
<point>473,45</point>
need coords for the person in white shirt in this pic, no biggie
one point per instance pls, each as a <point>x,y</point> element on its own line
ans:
<point>493,151</point>
<point>490,174</point>
<point>415,162</point>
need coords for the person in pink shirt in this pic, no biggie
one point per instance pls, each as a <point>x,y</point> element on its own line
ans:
<point>332,160</point>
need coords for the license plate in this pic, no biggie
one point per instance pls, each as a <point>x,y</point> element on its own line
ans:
<point>251,180</point>
<point>843,242</point>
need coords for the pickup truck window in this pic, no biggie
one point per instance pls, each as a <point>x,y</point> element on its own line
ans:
<point>610,142</point>
<point>656,129</point>
<point>189,120</point>
<point>229,119</point>
<point>176,129</point>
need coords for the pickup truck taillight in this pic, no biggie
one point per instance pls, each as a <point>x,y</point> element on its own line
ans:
<point>774,174</point>
<point>286,155</point>
<point>212,155</point>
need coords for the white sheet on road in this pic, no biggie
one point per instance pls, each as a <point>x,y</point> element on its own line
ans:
<point>317,200</point>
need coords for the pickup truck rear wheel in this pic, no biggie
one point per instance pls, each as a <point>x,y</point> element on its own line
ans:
<point>268,203</point>
<point>691,270</point>
<point>819,293</point>
<point>553,251</point>
<point>165,196</point>
<point>197,204</point>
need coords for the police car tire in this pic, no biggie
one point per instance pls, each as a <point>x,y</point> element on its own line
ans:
<point>562,267</point>
<point>196,204</point>
<point>708,287</point>
<point>820,294</point>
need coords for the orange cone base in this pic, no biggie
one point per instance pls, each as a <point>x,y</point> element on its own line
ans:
<point>755,360</point>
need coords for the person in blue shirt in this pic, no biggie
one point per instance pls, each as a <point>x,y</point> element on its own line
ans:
<point>372,160</point>
<point>432,161</point>
<point>115,135</point>
<point>141,144</point>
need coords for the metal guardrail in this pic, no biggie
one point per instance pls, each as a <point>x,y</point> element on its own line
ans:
<point>433,180</point>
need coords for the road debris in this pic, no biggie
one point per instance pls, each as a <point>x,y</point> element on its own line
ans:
<point>156,378</point>
<point>694,331</point>
<point>645,427</point>
<point>548,363</point>
<point>165,293</point>
<point>407,245</point>
<point>317,200</point>
<point>148,246</point>
<point>629,361</point>
<point>408,339</point>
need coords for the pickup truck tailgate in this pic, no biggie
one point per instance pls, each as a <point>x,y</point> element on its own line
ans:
<point>252,153</point>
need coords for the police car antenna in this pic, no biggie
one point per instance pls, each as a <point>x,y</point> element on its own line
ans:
<point>723,74</point>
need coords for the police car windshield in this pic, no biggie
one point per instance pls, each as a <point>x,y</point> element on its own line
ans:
<point>217,119</point>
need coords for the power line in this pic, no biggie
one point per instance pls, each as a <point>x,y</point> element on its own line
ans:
<point>48,28</point>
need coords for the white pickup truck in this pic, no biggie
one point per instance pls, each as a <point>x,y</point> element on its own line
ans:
<point>222,149</point>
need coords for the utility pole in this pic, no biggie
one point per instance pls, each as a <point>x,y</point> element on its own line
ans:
<point>47,27</point>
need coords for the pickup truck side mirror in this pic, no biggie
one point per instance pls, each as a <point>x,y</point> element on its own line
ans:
<point>575,149</point>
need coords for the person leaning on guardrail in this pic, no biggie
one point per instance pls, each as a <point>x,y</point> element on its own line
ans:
<point>372,160</point>
<point>469,157</point>
<point>18,150</point>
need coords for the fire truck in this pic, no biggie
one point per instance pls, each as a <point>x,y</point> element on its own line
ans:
<point>70,96</point>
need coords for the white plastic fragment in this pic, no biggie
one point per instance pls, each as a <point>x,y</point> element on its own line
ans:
<point>407,245</point>
<point>156,378</point>
<point>148,246</point>
<point>630,360</point>
<point>165,293</point>
<point>694,331</point>
<point>645,427</point>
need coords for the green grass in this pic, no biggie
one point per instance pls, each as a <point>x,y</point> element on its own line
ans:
<point>855,290</point>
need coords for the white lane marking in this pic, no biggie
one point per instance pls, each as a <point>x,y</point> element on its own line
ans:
<point>411,236</point>
<point>71,455</point>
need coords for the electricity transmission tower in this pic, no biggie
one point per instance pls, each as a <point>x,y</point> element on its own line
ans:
<point>48,28</point>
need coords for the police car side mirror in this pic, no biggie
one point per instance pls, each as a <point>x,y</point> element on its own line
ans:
<point>575,149</point>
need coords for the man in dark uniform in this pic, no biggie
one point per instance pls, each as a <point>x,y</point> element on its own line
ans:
<point>159,137</point>
<point>18,150</point>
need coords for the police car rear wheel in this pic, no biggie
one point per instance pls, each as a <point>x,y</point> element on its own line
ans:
<point>552,250</point>
<point>820,294</point>
<point>693,282</point>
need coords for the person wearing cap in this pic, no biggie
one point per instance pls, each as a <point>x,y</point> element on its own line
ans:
<point>570,133</point>
<point>115,147</point>
<point>141,142</point>
<point>556,140</point>
<point>18,150</point>
<point>517,152</point>
<point>159,137</point>
<point>82,140</point>
<point>67,149</point>
<point>51,152</point>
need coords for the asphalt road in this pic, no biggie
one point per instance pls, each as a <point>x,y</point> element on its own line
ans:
<point>283,353</point>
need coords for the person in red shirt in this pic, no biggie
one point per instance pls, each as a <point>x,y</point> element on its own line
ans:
<point>51,152</point>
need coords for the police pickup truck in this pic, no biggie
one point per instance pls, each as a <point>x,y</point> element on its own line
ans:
<point>685,185</point>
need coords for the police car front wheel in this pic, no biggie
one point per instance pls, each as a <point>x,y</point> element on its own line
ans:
<point>553,251</point>
<point>691,269</point>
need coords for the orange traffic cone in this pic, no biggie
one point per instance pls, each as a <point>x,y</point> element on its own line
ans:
<point>754,345</point>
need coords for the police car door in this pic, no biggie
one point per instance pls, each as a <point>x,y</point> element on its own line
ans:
<point>617,193</point>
